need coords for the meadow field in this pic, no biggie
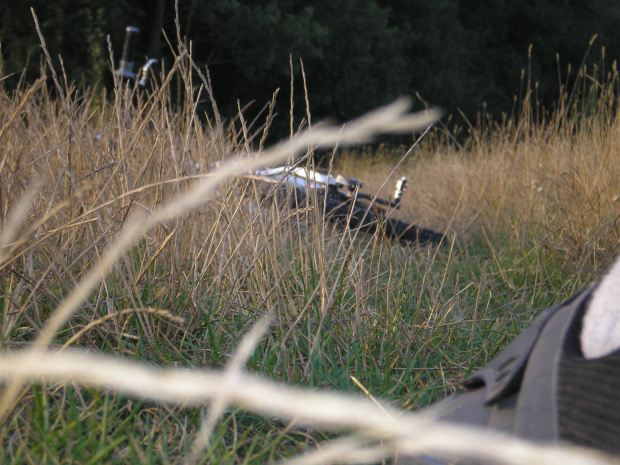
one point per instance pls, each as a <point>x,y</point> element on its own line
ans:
<point>154,311</point>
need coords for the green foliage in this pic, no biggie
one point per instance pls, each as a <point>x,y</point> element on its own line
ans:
<point>357,54</point>
<point>74,30</point>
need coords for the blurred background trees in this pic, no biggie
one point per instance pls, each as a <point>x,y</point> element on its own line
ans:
<point>357,54</point>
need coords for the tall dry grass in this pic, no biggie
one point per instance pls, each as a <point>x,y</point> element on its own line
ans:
<point>548,177</point>
<point>118,239</point>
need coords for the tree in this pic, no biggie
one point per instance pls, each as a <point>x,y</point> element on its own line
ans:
<point>357,54</point>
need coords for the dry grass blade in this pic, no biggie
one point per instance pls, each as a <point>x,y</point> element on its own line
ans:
<point>402,432</point>
<point>128,311</point>
<point>233,376</point>
<point>19,214</point>
<point>348,450</point>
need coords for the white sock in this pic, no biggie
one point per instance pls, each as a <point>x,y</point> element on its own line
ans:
<point>600,332</point>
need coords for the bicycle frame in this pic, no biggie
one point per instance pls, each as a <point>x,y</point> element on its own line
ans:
<point>306,178</point>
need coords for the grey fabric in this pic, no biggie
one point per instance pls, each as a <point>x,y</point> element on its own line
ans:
<point>588,396</point>
<point>517,392</point>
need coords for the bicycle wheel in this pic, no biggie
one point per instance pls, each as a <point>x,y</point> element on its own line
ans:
<point>405,232</point>
<point>363,216</point>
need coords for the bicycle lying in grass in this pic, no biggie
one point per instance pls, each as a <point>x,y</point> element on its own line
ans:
<point>339,196</point>
<point>342,202</point>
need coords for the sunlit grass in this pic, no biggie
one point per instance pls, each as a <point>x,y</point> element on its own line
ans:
<point>120,238</point>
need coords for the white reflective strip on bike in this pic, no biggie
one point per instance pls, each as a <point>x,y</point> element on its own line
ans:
<point>315,176</point>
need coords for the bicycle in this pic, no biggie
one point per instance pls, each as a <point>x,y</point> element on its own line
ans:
<point>340,196</point>
<point>342,202</point>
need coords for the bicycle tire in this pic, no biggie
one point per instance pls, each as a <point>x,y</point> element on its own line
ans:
<point>410,233</point>
<point>363,216</point>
